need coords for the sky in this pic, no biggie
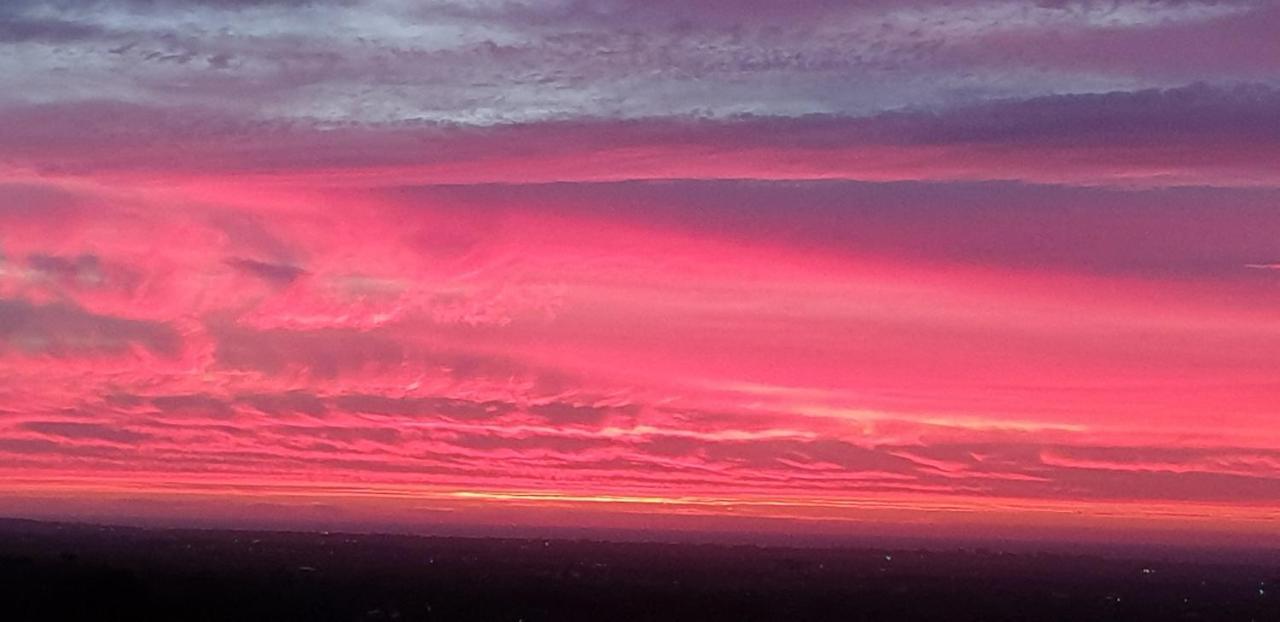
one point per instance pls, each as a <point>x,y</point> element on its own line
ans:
<point>810,267</point>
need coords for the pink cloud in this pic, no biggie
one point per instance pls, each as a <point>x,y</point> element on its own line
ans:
<point>661,345</point>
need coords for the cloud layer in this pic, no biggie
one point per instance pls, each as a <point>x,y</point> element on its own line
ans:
<point>641,263</point>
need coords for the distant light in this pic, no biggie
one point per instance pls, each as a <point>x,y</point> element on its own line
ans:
<point>888,558</point>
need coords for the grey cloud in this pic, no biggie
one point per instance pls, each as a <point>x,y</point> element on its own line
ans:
<point>1100,472</point>
<point>1191,486</point>
<point>103,136</point>
<point>672,446</point>
<point>91,431</point>
<point>39,446</point>
<point>566,413</point>
<point>488,442</point>
<point>513,61</point>
<point>1242,111</point>
<point>83,272</point>
<point>15,29</point>
<point>422,406</point>
<point>273,273</point>
<point>62,329</point>
<point>766,453</point>
<point>328,353</point>
<point>78,269</point>
<point>20,201</point>
<point>245,229</point>
<point>383,435</point>
<point>192,405</point>
<point>285,403</point>
<point>302,402</point>
<point>1174,232</point>
<point>322,353</point>
<point>73,6</point>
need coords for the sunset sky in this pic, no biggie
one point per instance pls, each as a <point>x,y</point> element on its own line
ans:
<point>967,267</point>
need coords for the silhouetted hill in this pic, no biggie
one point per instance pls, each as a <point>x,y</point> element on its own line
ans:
<point>55,571</point>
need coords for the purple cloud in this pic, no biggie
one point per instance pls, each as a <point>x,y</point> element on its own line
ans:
<point>60,329</point>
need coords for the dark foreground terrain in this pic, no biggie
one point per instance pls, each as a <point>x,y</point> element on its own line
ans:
<point>61,571</point>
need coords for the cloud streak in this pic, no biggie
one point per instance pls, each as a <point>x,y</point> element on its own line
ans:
<point>1195,135</point>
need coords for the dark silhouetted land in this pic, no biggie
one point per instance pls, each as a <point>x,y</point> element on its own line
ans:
<point>54,571</point>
